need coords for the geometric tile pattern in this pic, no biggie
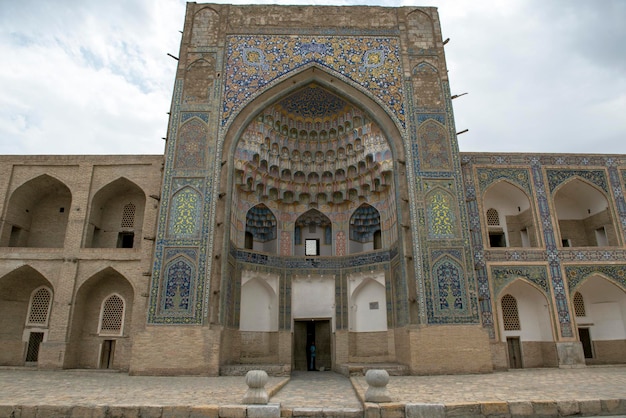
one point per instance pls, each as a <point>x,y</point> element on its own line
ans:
<point>254,61</point>
<point>558,287</point>
<point>556,177</point>
<point>501,276</point>
<point>576,274</point>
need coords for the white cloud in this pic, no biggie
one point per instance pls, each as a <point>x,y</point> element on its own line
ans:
<point>94,77</point>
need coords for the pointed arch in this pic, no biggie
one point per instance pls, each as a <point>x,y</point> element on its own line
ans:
<point>450,294</point>
<point>368,305</point>
<point>509,216</point>
<point>534,310</point>
<point>600,306</point>
<point>261,225</point>
<point>37,214</point>
<point>259,302</point>
<point>203,32</point>
<point>87,335</point>
<point>364,225</point>
<point>25,307</point>
<point>584,215</point>
<point>116,215</point>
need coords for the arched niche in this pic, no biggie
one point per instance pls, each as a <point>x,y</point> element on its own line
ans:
<point>16,291</point>
<point>310,165</point>
<point>602,328</point>
<point>584,217</point>
<point>312,230</point>
<point>87,345</point>
<point>259,302</point>
<point>367,301</point>
<point>37,214</point>
<point>116,216</point>
<point>533,339</point>
<point>365,229</point>
<point>509,217</point>
<point>261,228</point>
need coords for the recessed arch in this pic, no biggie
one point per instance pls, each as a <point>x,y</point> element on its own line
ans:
<point>516,226</point>
<point>17,292</point>
<point>111,223</point>
<point>86,339</point>
<point>583,215</point>
<point>37,214</point>
<point>601,323</point>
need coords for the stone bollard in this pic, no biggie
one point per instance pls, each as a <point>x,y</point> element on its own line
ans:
<point>256,393</point>
<point>377,386</point>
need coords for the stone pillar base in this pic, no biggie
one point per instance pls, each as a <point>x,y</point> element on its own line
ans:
<point>570,354</point>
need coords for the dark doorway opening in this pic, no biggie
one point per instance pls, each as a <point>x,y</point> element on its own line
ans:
<point>515,352</point>
<point>305,333</point>
<point>106,357</point>
<point>34,341</point>
<point>585,340</point>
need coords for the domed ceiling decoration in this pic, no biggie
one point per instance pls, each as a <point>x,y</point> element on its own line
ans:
<point>315,148</point>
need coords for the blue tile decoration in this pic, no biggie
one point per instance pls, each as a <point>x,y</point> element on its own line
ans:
<point>562,307</point>
<point>557,177</point>
<point>576,274</point>
<point>193,235</point>
<point>449,292</point>
<point>257,61</point>
<point>185,213</point>
<point>179,284</point>
<point>502,276</point>
<point>518,176</point>
<point>442,222</point>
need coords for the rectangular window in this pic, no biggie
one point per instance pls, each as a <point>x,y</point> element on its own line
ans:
<point>125,239</point>
<point>566,242</point>
<point>496,239</point>
<point>312,247</point>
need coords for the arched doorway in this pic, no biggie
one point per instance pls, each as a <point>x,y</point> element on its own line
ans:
<point>526,327</point>
<point>600,310</point>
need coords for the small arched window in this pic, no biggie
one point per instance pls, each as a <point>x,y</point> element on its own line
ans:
<point>493,218</point>
<point>579,305</point>
<point>112,316</point>
<point>39,307</point>
<point>510,314</point>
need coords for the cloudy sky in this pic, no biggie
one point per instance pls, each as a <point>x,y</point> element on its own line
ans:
<point>93,77</point>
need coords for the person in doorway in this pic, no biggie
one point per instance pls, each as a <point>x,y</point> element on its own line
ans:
<point>312,356</point>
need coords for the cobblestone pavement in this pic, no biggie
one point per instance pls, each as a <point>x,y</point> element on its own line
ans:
<point>322,390</point>
<point>586,391</point>
<point>22,387</point>
<point>514,385</point>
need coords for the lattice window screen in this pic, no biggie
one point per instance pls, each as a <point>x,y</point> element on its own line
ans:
<point>128,216</point>
<point>493,218</point>
<point>39,307</point>
<point>579,305</point>
<point>510,314</point>
<point>112,315</point>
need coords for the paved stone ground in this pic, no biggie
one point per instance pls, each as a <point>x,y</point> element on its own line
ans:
<point>589,391</point>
